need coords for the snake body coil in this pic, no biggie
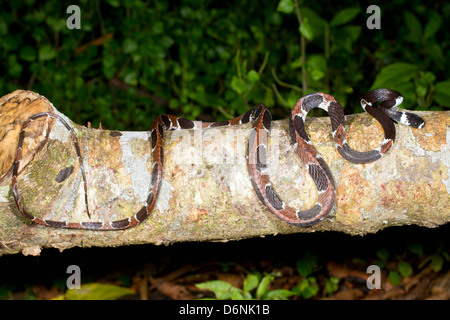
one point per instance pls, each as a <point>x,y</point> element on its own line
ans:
<point>257,148</point>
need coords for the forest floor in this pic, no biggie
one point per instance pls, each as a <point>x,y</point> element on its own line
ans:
<point>414,265</point>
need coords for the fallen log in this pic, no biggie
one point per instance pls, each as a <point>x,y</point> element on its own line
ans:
<point>206,194</point>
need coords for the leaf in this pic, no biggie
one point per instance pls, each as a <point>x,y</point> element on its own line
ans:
<point>316,65</point>
<point>352,32</point>
<point>12,43</point>
<point>405,269</point>
<point>395,278</point>
<point>108,66</point>
<point>236,295</point>
<point>433,25</point>
<point>238,85</point>
<point>331,285</point>
<point>306,29</point>
<point>185,12</point>
<point>317,23</point>
<point>408,92</point>
<point>442,93</point>
<point>46,53</point>
<point>222,289</point>
<point>383,254</point>
<point>304,268</point>
<point>279,294</point>
<point>434,52</point>
<point>108,61</point>
<point>345,37</point>
<point>98,291</point>
<point>285,6</point>
<point>421,90</point>
<point>310,291</point>
<point>429,77</point>
<point>56,25</point>
<point>306,265</point>
<point>394,75</point>
<point>344,16</point>
<point>3,28</point>
<point>414,27</point>
<point>262,287</point>
<point>27,53</point>
<point>14,68</point>
<point>158,27</point>
<point>129,45</point>
<point>302,285</point>
<point>416,248</point>
<point>166,41</point>
<point>296,63</point>
<point>205,99</point>
<point>253,76</point>
<point>130,77</point>
<point>114,3</point>
<point>251,282</point>
<point>436,262</point>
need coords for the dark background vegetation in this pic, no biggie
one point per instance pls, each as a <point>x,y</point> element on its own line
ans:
<point>213,60</point>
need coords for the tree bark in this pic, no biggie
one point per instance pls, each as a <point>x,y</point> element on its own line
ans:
<point>206,194</point>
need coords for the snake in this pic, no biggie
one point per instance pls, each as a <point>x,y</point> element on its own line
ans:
<point>382,104</point>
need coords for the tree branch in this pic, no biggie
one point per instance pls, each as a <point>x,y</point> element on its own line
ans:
<point>206,194</point>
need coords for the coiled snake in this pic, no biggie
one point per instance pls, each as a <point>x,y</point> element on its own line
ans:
<point>256,155</point>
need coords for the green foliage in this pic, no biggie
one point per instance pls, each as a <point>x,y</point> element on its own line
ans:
<point>443,93</point>
<point>434,259</point>
<point>255,286</point>
<point>394,277</point>
<point>285,6</point>
<point>306,288</point>
<point>136,59</point>
<point>405,269</point>
<point>331,285</point>
<point>307,265</point>
<point>97,291</point>
<point>260,287</point>
<point>6,291</point>
<point>222,290</point>
<point>383,254</point>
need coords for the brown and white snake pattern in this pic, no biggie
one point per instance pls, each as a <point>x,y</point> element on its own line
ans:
<point>256,155</point>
